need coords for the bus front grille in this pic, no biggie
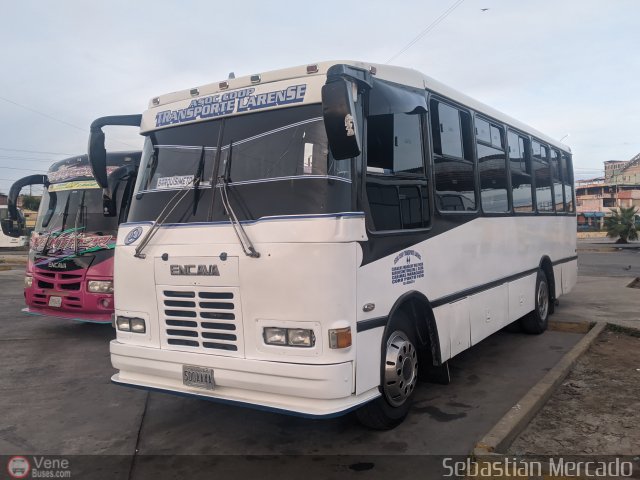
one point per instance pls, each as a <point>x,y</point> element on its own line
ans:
<point>57,280</point>
<point>201,319</point>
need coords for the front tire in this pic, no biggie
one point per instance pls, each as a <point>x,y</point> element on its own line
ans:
<point>399,377</point>
<point>537,321</point>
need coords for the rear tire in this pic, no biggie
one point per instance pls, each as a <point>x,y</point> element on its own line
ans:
<point>399,377</point>
<point>537,321</point>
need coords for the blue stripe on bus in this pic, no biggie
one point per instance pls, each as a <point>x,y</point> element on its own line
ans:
<point>250,222</point>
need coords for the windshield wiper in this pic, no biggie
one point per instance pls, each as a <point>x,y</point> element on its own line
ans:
<point>75,226</point>
<point>64,214</point>
<point>45,247</point>
<point>195,183</point>
<point>197,180</point>
<point>243,238</point>
<point>164,214</point>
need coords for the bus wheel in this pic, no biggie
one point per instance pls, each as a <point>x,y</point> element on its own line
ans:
<point>536,322</point>
<point>399,378</point>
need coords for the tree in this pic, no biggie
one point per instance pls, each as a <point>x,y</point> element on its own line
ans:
<point>622,224</point>
<point>30,202</point>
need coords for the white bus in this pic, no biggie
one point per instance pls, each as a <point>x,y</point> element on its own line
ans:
<point>12,232</point>
<point>307,240</point>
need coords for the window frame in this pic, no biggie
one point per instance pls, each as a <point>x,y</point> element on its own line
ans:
<point>504,128</point>
<point>560,178</point>
<point>528,152</point>
<point>402,177</point>
<point>473,154</point>
<point>547,147</point>
<point>569,163</point>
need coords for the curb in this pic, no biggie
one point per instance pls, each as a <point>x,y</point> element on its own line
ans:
<point>518,417</point>
<point>570,326</point>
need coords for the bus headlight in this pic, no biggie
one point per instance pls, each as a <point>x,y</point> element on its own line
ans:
<point>301,337</point>
<point>131,324</point>
<point>28,281</point>
<point>123,324</point>
<point>100,286</point>
<point>138,325</point>
<point>275,336</point>
<point>292,337</point>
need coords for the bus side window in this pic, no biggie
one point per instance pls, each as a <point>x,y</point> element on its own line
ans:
<point>396,176</point>
<point>453,158</point>
<point>556,178</point>
<point>567,181</point>
<point>520,164</point>
<point>492,163</point>
<point>542,172</point>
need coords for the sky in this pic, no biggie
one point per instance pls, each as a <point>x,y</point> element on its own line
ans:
<point>565,67</point>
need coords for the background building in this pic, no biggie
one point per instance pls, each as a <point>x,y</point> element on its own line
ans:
<point>620,187</point>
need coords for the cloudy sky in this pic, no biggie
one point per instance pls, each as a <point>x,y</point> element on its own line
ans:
<point>561,66</point>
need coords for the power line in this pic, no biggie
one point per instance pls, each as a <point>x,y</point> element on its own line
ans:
<point>55,119</point>
<point>424,32</point>
<point>36,151</point>
<point>46,115</point>
<point>24,169</point>
<point>29,159</point>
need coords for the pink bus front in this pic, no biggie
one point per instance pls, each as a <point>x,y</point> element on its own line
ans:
<point>70,268</point>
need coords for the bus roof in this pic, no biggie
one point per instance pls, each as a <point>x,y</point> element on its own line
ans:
<point>399,75</point>
<point>78,167</point>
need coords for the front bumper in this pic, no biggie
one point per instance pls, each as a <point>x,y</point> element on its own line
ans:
<point>308,390</point>
<point>75,305</point>
<point>77,317</point>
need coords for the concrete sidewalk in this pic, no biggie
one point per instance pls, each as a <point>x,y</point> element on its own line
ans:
<point>601,299</point>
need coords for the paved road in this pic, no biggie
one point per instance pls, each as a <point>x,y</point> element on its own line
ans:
<point>606,259</point>
<point>56,398</point>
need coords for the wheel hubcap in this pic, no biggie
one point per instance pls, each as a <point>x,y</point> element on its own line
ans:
<point>401,369</point>
<point>543,300</point>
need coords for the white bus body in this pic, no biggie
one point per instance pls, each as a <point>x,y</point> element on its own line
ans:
<point>11,238</point>
<point>334,259</point>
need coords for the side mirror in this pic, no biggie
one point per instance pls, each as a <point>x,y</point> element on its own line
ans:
<point>340,119</point>
<point>96,150</point>
<point>14,191</point>
<point>109,207</point>
<point>98,155</point>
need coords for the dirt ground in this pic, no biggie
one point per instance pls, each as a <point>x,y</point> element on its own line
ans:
<point>597,408</point>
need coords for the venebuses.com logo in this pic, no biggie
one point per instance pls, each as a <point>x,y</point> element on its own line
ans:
<point>18,467</point>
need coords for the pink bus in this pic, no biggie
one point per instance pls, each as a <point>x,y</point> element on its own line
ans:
<point>70,268</point>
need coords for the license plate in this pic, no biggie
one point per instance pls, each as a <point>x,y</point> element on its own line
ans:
<point>55,301</point>
<point>198,377</point>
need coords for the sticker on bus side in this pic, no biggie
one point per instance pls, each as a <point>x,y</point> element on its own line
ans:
<point>177,181</point>
<point>77,185</point>
<point>407,268</point>
<point>69,241</point>
<point>68,172</point>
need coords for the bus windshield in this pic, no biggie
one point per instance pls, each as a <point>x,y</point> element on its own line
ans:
<point>277,163</point>
<point>70,218</point>
<point>63,208</point>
